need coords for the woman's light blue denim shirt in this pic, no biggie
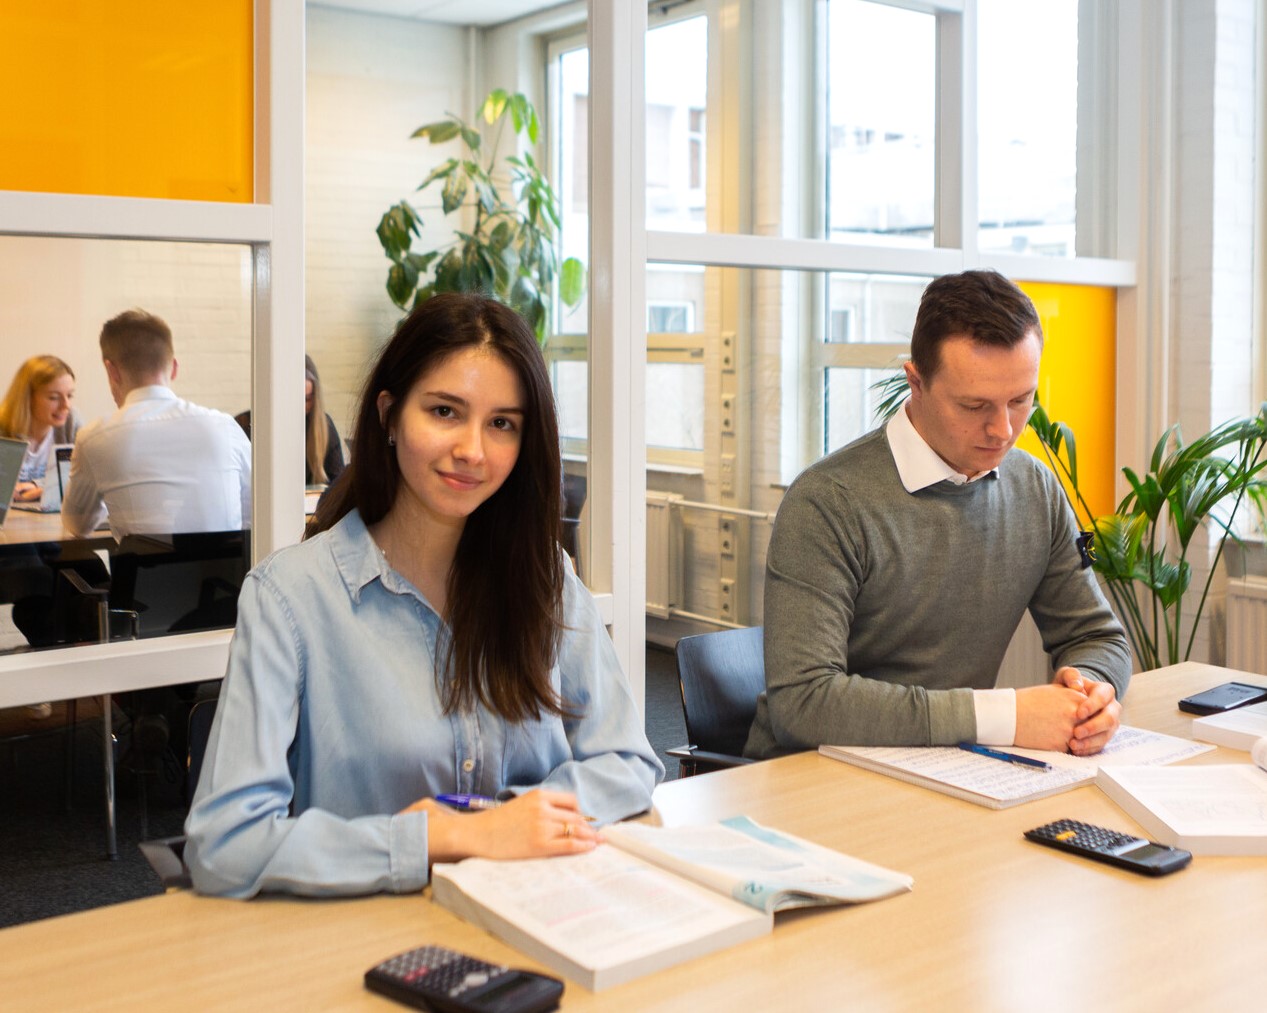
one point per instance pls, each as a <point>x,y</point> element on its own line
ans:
<point>330,722</point>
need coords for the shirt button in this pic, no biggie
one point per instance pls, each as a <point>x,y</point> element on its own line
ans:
<point>468,765</point>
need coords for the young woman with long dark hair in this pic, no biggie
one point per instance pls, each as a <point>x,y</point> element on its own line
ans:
<point>427,637</point>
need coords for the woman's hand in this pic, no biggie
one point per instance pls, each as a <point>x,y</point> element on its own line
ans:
<point>24,492</point>
<point>537,824</point>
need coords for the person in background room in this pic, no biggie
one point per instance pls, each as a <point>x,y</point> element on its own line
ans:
<point>160,464</point>
<point>37,409</point>
<point>323,450</point>
<point>428,636</point>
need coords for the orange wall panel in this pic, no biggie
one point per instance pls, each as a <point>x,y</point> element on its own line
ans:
<point>1078,377</point>
<point>134,98</point>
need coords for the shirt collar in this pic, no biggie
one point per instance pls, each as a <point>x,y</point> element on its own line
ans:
<point>153,392</point>
<point>918,465</point>
<point>356,554</point>
<point>360,561</point>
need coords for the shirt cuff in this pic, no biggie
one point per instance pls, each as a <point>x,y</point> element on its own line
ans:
<point>996,716</point>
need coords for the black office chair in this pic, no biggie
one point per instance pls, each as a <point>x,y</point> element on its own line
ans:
<point>166,855</point>
<point>721,675</point>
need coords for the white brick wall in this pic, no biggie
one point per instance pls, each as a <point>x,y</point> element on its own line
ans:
<point>56,293</point>
<point>371,82</point>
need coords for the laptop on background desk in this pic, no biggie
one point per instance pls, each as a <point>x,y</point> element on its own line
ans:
<point>56,478</point>
<point>11,454</point>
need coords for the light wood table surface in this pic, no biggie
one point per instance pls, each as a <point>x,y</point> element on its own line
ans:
<point>993,923</point>
<point>24,526</point>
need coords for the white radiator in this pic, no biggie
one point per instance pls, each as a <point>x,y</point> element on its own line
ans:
<point>664,554</point>
<point>1247,624</point>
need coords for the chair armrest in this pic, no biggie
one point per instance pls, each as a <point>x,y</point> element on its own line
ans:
<point>694,760</point>
<point>166,857</point>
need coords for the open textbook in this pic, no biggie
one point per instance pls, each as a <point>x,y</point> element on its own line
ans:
<point>652,897</point>
<point>1215,809</point>
<point>998,785</point>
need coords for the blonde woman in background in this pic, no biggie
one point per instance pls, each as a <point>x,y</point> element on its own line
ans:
<point>37,409</point>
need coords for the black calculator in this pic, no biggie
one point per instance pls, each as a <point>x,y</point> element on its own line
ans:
<point>1123,850</point>
<point>440,979</point>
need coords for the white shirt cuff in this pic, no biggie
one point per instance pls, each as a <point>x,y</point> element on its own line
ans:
<point>996,716</point>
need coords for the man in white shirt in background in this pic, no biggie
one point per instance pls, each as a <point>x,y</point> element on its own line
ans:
<point>160,464</point>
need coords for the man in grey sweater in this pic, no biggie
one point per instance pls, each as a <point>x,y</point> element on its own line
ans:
<point>900,565</point>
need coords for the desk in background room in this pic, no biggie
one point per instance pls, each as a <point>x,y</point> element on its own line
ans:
<point>994,922</point>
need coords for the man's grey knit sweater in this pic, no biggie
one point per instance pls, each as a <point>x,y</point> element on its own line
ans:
<point>884,609</point>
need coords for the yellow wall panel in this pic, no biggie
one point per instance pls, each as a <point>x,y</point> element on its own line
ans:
<point>129,98</point>
<point>1077,381</point>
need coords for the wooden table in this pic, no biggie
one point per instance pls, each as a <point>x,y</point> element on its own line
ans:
<point>994,922</point>
<point>22,527</point>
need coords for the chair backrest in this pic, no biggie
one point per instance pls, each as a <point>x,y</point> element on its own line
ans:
<point>201,715</point>
<point>181,582</point>
<point>721,676</point>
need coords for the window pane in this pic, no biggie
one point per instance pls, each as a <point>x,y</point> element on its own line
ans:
<point>872,308</point>
<point>677,95</point>
<point>571,393</point>
<point>570,117</point>
<point>881,104</point>
<point>675,299</point>
<point>850,403</point>
<point>1027,111</point>
<point>675,406</point>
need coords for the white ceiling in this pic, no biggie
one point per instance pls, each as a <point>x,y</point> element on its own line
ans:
<point>457,12</point>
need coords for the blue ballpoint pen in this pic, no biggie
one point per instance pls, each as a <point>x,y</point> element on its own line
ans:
<point>998,754</point>
<point>468,801</point>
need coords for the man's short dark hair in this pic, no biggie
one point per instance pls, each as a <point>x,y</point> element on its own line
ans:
<point>983,305</point>
<point>139,343</point>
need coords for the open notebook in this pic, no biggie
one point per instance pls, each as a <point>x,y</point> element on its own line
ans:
<point>11,454</point>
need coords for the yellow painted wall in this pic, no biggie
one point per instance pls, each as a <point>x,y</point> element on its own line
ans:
<point>1077,381</point>
<point>136,98</point>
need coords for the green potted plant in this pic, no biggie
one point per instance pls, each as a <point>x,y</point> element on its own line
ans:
<point>508,250</point>
<point>1141,549</point>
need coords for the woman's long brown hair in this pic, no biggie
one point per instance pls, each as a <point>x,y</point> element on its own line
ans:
<point>505,587</point>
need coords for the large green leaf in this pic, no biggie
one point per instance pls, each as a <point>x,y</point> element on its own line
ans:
<point>438,133</point>
<point>441,171</point>
<point>453,193</point>
<point>571,281</point>
<point>494,105</point>
<point>1117,544</point>
<point>396,230</point>
<point>402,279</point>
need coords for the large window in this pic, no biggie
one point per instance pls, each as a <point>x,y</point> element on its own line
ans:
<point>810,166</point>
<point>1027,114</point>
<point>880,111</point>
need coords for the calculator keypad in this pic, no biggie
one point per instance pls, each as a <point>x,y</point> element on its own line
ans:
<point>445,971</point>
<point>1092,838</point>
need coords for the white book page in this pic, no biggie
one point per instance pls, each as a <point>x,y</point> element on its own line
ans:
<point>1209,801</point>
<point>1251,720</point>
<point>599,909</point>
<point>762,868</point>
<point>1129,747</point>
<point>967,771</point>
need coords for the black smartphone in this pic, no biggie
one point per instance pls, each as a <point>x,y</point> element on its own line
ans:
<point>1223,698</point>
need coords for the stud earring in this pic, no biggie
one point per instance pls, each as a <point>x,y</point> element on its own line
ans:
<point>391,440</point>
